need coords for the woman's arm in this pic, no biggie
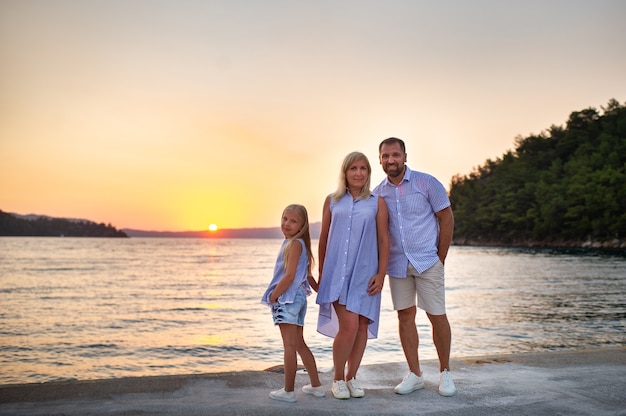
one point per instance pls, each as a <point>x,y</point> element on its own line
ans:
<point>323,240</point>
<point>382,234</point>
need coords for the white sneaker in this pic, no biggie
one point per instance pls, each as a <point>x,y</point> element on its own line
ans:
<point>284,396</point>
<point>315,391</point>
<point>446,385</point>
<point>411,382</point>
<point>340,390</point>
<point>355,389</point>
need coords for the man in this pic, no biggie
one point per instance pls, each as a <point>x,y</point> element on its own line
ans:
<point>420,231</point>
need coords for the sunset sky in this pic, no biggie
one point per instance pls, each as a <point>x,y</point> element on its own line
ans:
<point>173,115</point>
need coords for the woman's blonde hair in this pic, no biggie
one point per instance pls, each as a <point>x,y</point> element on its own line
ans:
<point>343,181</point>
<point>304,234</point>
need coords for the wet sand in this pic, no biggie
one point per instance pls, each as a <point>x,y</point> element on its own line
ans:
<point>589,382</point>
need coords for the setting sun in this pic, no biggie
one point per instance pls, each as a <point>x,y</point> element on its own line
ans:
<point>212,227</point>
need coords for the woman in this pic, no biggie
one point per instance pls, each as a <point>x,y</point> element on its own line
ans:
<point>353,256</point>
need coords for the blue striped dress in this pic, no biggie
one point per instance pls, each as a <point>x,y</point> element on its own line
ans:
<point>351,261</point>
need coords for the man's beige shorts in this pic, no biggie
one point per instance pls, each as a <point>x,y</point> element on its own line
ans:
<point>429,287</point>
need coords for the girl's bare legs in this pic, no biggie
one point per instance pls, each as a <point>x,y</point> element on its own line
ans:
<point>345,339</point>
<point>358,348</point>
<point>307,359</point>
<point>289,332</point>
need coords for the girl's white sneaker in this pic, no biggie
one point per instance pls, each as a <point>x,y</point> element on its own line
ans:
<point>315,391</point>
<point>284,396</point>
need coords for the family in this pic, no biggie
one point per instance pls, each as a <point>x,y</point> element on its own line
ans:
<point>401,229</point>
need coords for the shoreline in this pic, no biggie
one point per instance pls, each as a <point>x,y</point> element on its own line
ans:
<point>539,382</point>
<point>610,246</point>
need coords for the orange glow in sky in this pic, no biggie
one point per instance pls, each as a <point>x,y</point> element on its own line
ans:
<point>178,115</point>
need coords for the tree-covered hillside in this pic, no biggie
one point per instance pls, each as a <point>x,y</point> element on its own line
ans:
<point>563,187</point>
<point>10,225</point>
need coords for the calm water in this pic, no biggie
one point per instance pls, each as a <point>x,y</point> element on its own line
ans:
<point>73,308</point>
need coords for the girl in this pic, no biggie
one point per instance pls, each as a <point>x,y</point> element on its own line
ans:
<point>286,294</point>
<point>353,257</point>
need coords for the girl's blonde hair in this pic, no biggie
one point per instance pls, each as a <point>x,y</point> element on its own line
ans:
<point>304,234</point>
<point>343,181</point>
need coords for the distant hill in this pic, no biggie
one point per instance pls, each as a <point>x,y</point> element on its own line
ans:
<point>564,187</point>
<point>272,232</point>
<point>32,225</point>
<point>225,233</point>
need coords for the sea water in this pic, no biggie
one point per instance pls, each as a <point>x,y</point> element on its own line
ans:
<point>95,308</point>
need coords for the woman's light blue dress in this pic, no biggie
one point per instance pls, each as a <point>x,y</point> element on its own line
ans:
<point>351,261</point>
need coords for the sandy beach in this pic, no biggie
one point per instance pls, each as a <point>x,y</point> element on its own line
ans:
<point>588,382</point>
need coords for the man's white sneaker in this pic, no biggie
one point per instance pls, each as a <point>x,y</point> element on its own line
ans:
<point>446,385</point>
<point>411,382</point>
<point>284,396</point>
<point>355,389</point>
<point>340,390</point>
<point>315,391</point>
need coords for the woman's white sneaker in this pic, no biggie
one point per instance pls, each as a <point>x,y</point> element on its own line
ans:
<point>355,389</point>
<point>411,382</point>
<point>340,390</point>
<point>446,385</point>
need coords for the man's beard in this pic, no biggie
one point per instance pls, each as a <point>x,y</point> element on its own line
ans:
<point>394,171</point>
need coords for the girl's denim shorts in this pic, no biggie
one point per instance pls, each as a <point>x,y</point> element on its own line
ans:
<point>290,313</point>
